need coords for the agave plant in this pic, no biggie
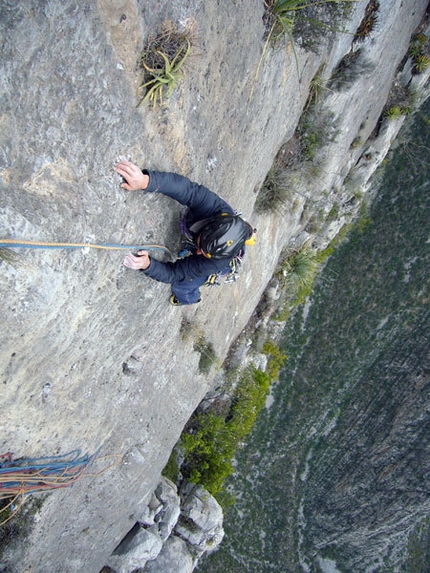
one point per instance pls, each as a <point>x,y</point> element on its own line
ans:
<point>165,78</point>
<point>421,63</point>
<point>396,111</point>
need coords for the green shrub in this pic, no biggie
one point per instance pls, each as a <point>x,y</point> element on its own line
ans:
<point>299,269</point>
<point>334,212</point>
<point>357,142</point>
<point>311,21</point>
<point>211,440</point>
<point>317,86</point>
<point>16,525</point>
<point>277,359</point>
<point>315,130</point>
<point>395,112</point>
<point>419,52</point>
<point>421,63</point>
<point>208,451</point>
<point>171,469</point>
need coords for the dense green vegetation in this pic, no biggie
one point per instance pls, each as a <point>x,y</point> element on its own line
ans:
<point>338,456</point>
<point>211,439</point>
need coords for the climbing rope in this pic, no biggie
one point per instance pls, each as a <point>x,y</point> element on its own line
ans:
<point>14,243</point>
<point>24,477</point>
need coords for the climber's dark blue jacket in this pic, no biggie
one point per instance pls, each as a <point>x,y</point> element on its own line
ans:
<point>202,204</point>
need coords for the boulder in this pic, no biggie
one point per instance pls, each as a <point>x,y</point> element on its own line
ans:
<point>173,558</point>
<point>138,546</point>
<point>201,519</point>
<point>168,515</point>
<point>150,510</point>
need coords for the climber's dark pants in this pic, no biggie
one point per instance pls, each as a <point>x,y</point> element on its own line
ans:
<point>188,291</point>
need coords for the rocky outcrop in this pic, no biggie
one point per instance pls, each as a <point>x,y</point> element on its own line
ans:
<point>200,522</point>
<point>173,532</point>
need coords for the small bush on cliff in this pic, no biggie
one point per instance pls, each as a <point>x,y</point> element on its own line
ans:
<point>312,23</point>
<point>317,87</point>
<point>316,129</point>
<point>297,273</point>
<point>16,528</point>
<point>276,189</point>
<point>210,442</point>
<point>351,68</point>
<point>191,332</point>
<point>163,60</point>
<point>369,21</point>
<point>300,268</point>
<point>207,354</point>
<point>396,111</point>
<point>419,50</point>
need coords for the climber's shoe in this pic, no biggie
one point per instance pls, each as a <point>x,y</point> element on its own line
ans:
<point>173,300</point>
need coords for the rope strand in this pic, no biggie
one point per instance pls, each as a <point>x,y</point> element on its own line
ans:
<point>16,243</point>
<point>21,478</point>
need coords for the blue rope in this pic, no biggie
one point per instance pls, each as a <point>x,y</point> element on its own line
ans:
<point>35,475</point>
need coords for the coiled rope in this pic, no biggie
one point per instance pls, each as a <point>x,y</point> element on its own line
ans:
<point>15,243</point>
<point>24,477</point>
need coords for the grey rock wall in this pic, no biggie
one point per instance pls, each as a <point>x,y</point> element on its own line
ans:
<point>91,354</point>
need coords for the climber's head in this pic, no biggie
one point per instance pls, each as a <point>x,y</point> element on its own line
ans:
<point>224,236</point>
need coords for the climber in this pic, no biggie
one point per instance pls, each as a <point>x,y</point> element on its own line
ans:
<point>217,234</point>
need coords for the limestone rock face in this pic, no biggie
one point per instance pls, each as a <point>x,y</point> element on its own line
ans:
<point>174,558</point>
<point>92,357</point>
<point>167,518</point>
<point>186,526</point>
<point>139,546</point>
<point>145,539</point>
<point>200,523</point>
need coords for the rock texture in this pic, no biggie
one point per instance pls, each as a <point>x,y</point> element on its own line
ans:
<point>91,354</point>
<point>173,534</point>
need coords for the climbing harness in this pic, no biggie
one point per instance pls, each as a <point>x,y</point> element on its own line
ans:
<point>16,243</point>
<point>229,276</point>
<point>23,477</point>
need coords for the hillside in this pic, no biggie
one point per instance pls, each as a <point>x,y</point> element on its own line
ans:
<point>334,476</point>
<point>91,354</point>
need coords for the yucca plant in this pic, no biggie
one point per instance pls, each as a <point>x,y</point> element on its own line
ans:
<point>419,52</point>
<point>299,270</point>
<point>163,61</point>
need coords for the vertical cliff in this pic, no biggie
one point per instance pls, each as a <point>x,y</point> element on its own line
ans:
<point>91,354</point>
